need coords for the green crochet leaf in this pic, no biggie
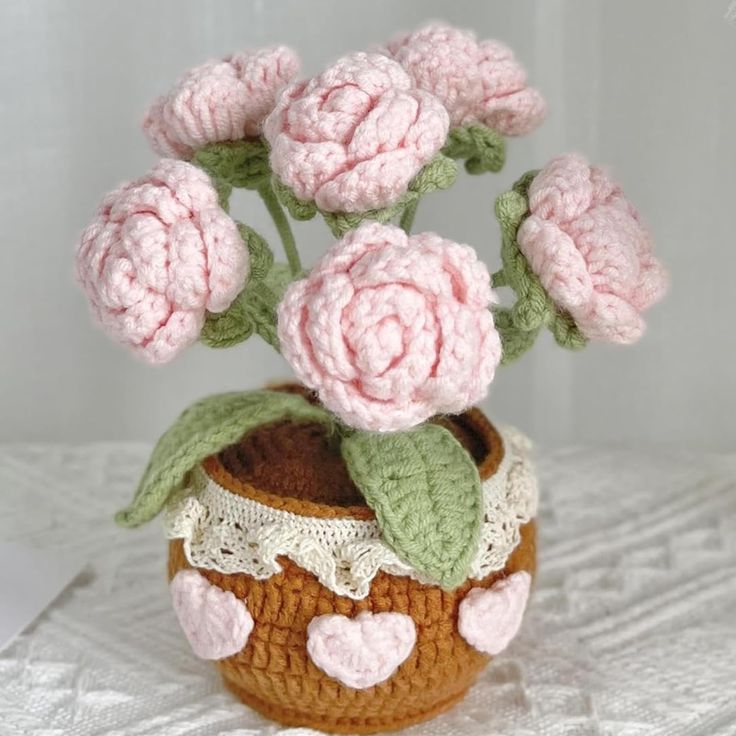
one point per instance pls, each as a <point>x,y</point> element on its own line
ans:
<point>204,428</point>
<point>439,173</point>
<point>253,311</point>
<point>261,255</point>
<point>240,164</point>
<point>425,491</point>
<point>343,222</point>
<point>514,342</point>
<point>299,209</point>
<point>482,148</point>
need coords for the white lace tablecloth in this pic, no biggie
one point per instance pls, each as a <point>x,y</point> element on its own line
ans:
<point>631,630</point>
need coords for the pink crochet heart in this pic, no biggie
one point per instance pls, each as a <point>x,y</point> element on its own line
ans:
<point>215,622</point>
<point>489,618</point>
<point>363,651</point>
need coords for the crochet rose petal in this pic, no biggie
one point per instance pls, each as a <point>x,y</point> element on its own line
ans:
<point>219,101</point>
<point>352,138</point>
<point>158,255</point>
<point>506,103</point>
<point>391,329</point>
<point>588,246</point>
<point>553,256</point>
<point>563,189</point>
<point>444,61</point>
<point>477,82</point>
<point>363,651</point>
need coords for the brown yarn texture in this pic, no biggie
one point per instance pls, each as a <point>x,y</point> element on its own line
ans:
<point>298,468</point>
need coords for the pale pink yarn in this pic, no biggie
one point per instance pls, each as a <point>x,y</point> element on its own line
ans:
<point>215,622</point>
<point>219,101</point>
<point>353,138</point>
<point>590,250</point>
<point>477,82</point>
<point>391,329</point>
<point>158,255</point>
<point>363,651</point>
<point>489,618</point>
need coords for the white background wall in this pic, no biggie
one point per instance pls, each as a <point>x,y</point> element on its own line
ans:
<point>649,87</point>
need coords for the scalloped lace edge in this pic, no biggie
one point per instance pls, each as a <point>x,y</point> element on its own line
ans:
<point>232,534</point>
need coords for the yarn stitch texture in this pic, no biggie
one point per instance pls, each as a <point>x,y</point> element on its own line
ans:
<point>219,101</point>
<point>586,243</point>
<point>352,138</point>
<point>206,427</point>
<point>477,82</point>
<point>489,618</point>
<point>363,651</point>
<point>435,676</point>
<point>231,534</point>
<point>158,256</point>
<point>519,326</point>
<point>215,622</point>
<point>391,329</point>
<point>425,491</point>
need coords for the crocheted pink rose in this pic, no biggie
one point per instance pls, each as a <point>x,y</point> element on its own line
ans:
<point>590,250</point>
<point>506,103</point>
<point>219,101</point>
<point>391,329</point>
<point>477,82</point>
<point>157,256</point>
<point>353,138</point>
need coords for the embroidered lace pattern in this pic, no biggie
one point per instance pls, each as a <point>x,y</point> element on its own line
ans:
<point>232,534</point>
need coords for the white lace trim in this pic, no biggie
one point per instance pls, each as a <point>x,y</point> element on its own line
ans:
<point>232,534</point>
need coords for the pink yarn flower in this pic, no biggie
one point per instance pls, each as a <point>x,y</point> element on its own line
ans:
<point>353,138</point>
<point>219,101</point>
<point>157,256</point>
<point>590,250</point>
<point>391,329</point>
<point>477,82</point>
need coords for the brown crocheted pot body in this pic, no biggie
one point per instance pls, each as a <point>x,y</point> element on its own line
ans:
<point>298,468</point>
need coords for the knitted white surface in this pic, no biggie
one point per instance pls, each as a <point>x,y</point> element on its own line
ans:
<point>229,533</point>
<point>630,629</point>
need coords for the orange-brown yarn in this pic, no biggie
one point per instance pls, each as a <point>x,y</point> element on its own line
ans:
<point>299,468</point>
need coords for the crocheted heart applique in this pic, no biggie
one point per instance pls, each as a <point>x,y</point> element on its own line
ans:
<point>215,622</point>
<point>489,618</point>
<point>363,651</point>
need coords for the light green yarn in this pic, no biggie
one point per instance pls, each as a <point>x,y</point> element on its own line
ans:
<point>533,309</point>
<point>426,493</point>
<point>299,209</point>
<point>252,312</point>
<point>482,148</point>
<point>514,342</point>
<point>204,428</point>
<point>341,223</point>
<point>244,165</point>
<point>261,255</point>
<point>254,309</point>
<point>240,164</point>
<point>439,173</point>
<point>265,190</point>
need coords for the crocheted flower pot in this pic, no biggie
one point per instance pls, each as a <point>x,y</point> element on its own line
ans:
<point>314,620</point>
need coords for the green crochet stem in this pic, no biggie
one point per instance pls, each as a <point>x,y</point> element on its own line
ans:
<point>283,227</point>
<point>520,325</point>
